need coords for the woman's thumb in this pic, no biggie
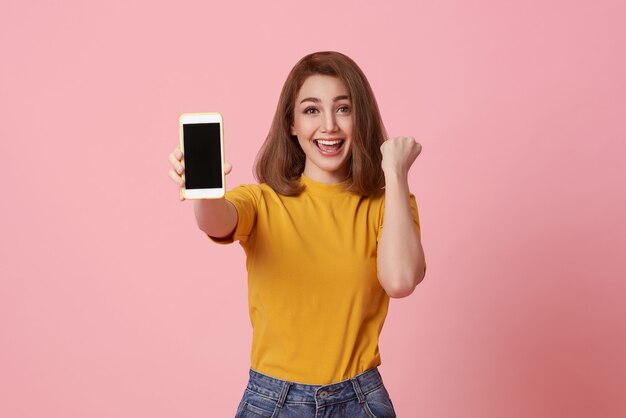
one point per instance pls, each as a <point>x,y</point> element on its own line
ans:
<point>227,167</point>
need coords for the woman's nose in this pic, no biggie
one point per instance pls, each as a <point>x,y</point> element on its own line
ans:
<point>329,123</point>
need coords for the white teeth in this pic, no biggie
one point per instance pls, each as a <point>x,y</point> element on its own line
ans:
<point>323,142</point>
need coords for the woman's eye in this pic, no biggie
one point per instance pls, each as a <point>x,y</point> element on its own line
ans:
<point>344,109</point>
<point>310,110</point>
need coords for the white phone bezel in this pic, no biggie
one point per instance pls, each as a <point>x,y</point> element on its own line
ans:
<point>193,118</point>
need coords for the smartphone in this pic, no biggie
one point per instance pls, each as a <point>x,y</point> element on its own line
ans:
<point>202,144</point>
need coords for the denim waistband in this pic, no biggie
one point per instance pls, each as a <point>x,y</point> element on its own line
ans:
<point>285,391</point>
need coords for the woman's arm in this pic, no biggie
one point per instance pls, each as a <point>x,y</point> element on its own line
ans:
<point>215,217</point>
<point>401,263</point>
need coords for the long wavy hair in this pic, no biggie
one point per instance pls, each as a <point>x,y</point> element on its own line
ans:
<point>280,161</point>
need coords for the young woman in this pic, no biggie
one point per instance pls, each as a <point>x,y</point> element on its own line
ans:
<point>330,233</point>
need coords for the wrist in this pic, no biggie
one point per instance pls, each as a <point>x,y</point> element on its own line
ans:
<point>396,176</point>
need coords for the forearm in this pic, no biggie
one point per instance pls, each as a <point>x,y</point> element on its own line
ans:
<point>400,254</point>
<point>215,217</point>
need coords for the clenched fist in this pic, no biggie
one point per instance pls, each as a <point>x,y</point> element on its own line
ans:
<point>399,153</point>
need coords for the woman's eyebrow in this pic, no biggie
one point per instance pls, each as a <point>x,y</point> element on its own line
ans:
<point>316,100</point>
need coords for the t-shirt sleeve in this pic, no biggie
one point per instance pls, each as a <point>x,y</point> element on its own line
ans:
<point>246,199</point>
<point>416,216</point>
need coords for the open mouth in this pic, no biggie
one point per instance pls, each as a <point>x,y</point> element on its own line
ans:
<point>329,146</point>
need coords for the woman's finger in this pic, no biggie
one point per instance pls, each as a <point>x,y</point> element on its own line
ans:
<point>176,164</point>
<point>177,179</point>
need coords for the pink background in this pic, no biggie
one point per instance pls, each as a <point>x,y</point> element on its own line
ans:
<point>113,303</point>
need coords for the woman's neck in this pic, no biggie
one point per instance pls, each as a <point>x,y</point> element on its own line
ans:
<point>325,177</point>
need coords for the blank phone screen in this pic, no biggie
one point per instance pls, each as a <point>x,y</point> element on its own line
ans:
<point>203,157</point>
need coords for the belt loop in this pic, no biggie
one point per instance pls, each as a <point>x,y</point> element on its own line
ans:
<point>283,394</point>
<point>357,389</point>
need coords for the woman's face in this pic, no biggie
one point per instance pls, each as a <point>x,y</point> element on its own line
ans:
<point>323,125</point>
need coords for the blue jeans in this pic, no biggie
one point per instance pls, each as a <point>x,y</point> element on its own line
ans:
<point>363,395</point>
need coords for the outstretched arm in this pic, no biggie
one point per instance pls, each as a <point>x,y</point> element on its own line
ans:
<point>401,264</point>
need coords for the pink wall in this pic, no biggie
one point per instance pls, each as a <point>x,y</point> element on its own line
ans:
<point>113,304</point>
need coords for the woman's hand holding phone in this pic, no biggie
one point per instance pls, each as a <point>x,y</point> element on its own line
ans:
<point>178,169</point>
<point>216,217</point>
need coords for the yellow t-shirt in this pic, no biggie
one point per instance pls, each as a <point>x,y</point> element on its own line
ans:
<point>315,302</point>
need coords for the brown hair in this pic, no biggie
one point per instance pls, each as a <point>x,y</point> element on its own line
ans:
<point>280,161</point>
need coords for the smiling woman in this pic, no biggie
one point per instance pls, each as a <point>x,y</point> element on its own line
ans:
<point>326,97</point>
<point>323,126</point>
<point>316,248</point>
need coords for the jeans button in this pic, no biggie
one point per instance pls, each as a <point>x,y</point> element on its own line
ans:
<point>323,394</point>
